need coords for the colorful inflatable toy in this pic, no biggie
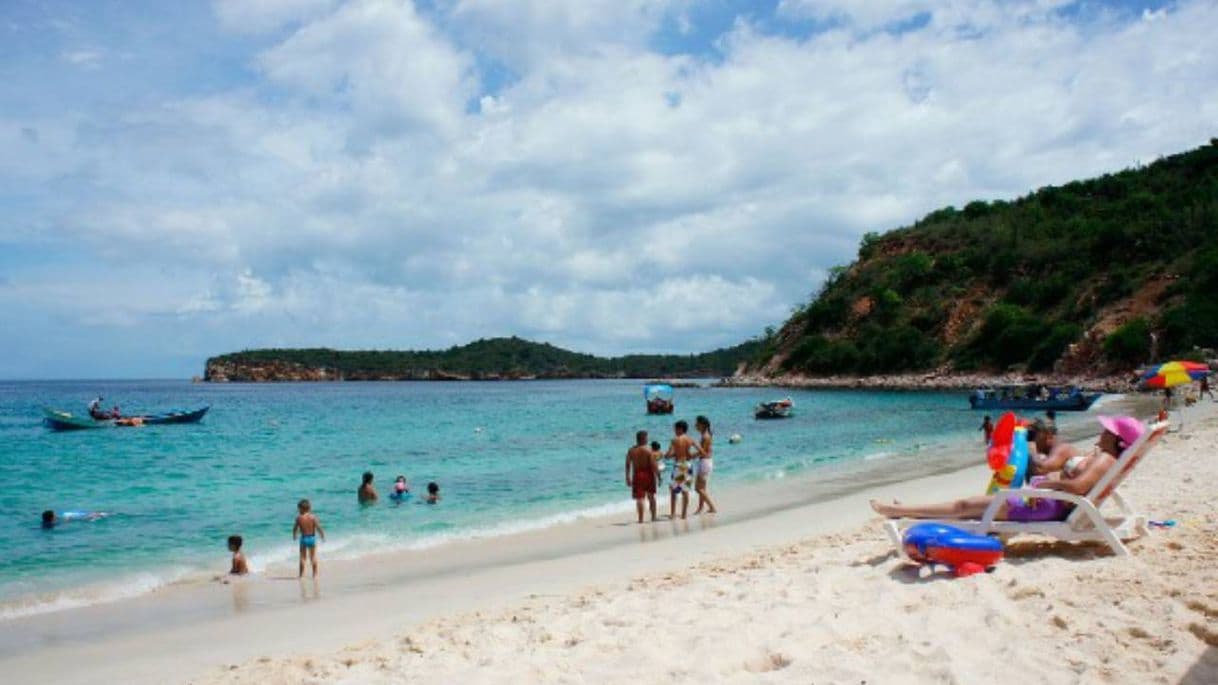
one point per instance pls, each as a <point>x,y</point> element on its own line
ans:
<point>964,552</point>
<point>1008,454</point>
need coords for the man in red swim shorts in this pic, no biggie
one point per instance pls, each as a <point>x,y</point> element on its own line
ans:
<point>642,474</point>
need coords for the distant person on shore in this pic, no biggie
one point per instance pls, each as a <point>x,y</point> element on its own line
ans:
<point>308,526</point>
<point>366,493</point>
<point>1051,419</point>
<point>642,474</point>
<point>1046,453</point>
<point>658,452</point>
<point>987,428</point>
<point>680,449</point>
<point>1205,388</point>
<point>705,466</point>
<point>433,492</point>
<point>239,567</point>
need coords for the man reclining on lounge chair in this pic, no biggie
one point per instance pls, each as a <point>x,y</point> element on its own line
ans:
<point>1077,478</point>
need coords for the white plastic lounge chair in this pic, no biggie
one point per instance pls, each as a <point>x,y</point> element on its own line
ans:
<point>1084,524</point>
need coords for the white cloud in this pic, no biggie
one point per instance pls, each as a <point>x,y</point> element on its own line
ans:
<point>381,60</point>
<point>606,195</point>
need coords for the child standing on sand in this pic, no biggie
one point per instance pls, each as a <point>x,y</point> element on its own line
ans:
<point>987,427</point>
<point>309,527</point>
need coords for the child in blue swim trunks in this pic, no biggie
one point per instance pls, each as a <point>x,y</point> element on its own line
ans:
<point>309,527</point>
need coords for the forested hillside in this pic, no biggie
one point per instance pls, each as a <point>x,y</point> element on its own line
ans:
<point>496,358</point>
<point>1094,276</point>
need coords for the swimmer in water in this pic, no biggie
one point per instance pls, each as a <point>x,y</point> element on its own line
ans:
<point>400,488</point>
<point>366,493</point>
<point>50,519</point>
<point>433,492</point>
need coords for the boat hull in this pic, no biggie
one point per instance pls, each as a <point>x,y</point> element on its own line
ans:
<point>780,409</point>
<point>65,421</point>
<point>1081,402</point>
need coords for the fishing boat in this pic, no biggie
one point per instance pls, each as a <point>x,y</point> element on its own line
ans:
<point>658,397</point>
<point>1035,399</point>
<point>777,409</point>
<point>65,421</point>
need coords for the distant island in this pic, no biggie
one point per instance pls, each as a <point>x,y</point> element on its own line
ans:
<point>490,359</point>
<point>1084,281</point>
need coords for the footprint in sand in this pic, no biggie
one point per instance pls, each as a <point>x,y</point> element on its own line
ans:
<point>1206,634</point>
<point>1202,608</point>
<point>770,661</point>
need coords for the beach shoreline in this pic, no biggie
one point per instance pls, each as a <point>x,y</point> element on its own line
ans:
<point>933,380</point>
<point>367,606</point>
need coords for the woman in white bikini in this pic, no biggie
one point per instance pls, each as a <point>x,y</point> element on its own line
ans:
<point>705,466</point>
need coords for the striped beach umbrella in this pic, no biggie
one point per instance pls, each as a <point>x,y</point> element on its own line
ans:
<point>1171,374</point>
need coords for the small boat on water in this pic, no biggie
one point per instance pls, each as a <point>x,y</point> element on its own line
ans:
<point>1033,398</point>
<point>658,397</point>
<point>777,409</point>
<point>65,421</point>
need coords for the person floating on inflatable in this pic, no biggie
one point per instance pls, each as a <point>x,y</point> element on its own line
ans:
<point>1008,454</point>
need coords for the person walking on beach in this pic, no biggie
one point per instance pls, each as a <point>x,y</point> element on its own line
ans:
<point>705,466</point>
<point>679,449</point>
<point>366,493</point>
<point>987,427</point>
<point>308,526</point>
<point>1205,388</point>
<point>642,474</point>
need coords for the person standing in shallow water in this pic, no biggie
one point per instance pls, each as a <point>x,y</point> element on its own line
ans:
<point>704,467</point>
<point>680,450</point>
<point>642,474</point>
<point>366,493</point>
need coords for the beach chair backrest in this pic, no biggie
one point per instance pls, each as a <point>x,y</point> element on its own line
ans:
<point>1125,465</point>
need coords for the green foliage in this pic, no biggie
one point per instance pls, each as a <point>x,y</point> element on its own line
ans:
<point>1129,343</point>
<point>502,357</point>
<point>867,246</point>
<point>1044,267</point>
<point>1051,347</point>
<point>1009,335</point>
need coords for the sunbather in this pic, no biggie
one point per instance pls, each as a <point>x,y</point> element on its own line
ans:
<point>1119,433</point>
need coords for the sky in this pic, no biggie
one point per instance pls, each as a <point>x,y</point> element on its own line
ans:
<point>184,179</point>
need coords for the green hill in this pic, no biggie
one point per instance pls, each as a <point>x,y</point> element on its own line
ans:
<point>496,358</point>
<point>1091,277</point>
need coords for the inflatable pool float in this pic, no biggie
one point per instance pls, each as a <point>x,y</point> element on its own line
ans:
<point>960,550</point>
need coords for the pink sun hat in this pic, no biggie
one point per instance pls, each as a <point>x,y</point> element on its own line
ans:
<point>1127,428</point>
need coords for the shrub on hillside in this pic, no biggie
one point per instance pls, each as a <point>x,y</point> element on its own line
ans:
<point>1130,343</point>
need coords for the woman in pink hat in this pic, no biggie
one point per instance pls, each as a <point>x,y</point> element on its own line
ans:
<point>1077,477</point>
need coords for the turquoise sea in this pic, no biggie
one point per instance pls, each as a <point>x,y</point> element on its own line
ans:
<point>508,457</point>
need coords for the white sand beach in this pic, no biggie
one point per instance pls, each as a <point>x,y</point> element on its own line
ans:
<point>808,594</point>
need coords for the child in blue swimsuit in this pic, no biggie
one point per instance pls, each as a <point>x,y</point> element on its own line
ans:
<point>309,527</point>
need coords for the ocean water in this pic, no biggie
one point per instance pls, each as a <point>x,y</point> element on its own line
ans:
<point>507,456</point>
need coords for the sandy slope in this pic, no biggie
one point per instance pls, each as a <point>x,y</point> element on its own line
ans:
<point>840,608</point>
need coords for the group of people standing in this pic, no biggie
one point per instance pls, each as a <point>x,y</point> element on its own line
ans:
<point>645,469</point>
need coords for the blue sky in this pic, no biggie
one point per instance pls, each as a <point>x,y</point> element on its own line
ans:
<point>179,180</point>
